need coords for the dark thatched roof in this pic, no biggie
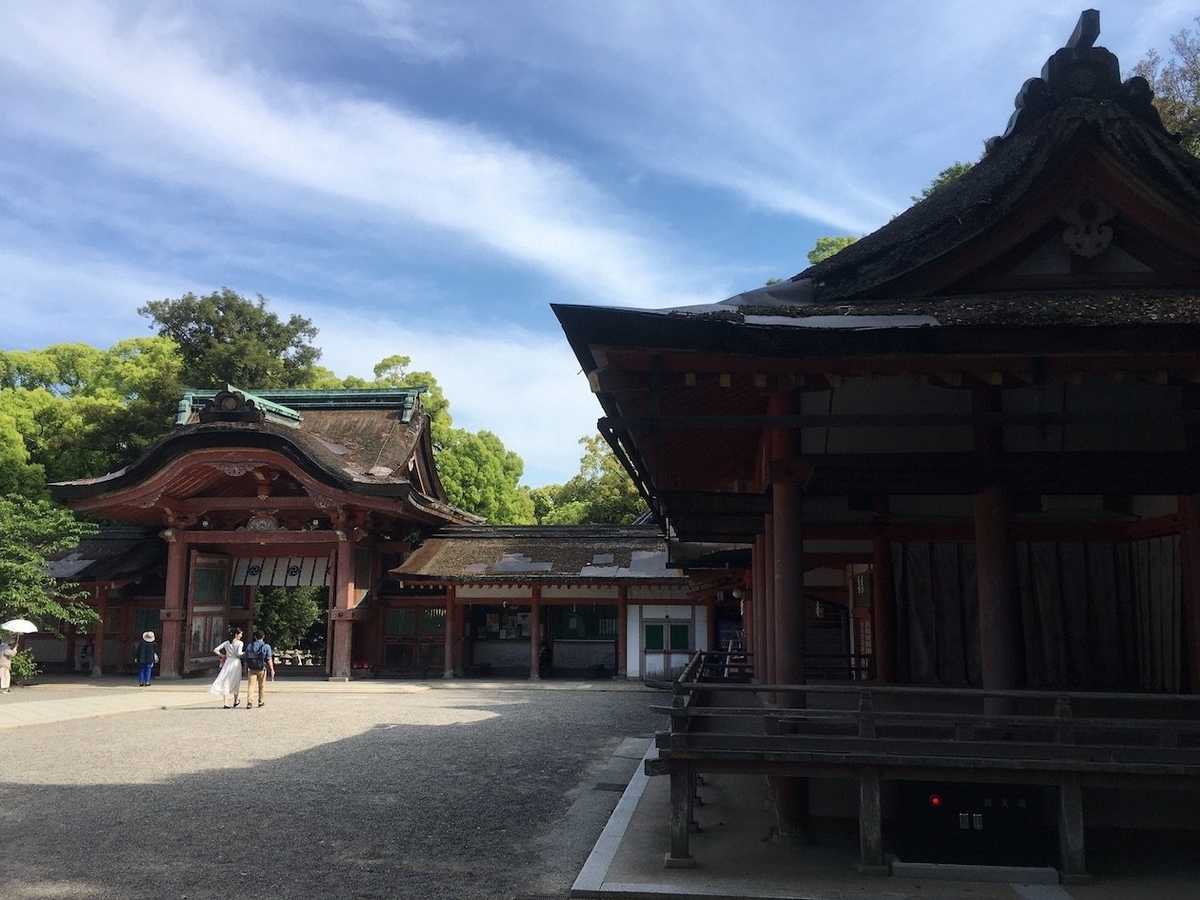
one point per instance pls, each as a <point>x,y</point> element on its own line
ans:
<point>523,554</point>
<point>113,554</point>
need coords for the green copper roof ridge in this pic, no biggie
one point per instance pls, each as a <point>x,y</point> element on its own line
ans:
<point>287,403</point>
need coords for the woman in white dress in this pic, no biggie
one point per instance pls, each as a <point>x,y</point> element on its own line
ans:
<point>229,679</point>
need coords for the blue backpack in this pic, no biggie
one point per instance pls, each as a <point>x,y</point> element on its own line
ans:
<point>256,657</point>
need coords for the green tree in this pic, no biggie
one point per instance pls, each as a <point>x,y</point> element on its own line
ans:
<point>392,372</point>
<point>1176,85</point>
<point>31,532</point>
<point>18,475</point>
<point>828,246</point>
<point>481,476</point>
<point>223,337</point>
<point>82,411</point>
<point>950,173</point>
<point>286,614</point>
<point>602,492</point>
<point>477,471</point>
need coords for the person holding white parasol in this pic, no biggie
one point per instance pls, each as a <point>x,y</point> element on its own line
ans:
<point>8,651</point>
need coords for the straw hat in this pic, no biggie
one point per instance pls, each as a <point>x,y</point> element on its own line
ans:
<point>148,636</point>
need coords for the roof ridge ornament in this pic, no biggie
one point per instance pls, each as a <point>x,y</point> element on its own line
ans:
<point>230,405</point>
<point>1081,71</point>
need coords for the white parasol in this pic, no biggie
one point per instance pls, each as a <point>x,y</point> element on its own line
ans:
<point>19,626</point>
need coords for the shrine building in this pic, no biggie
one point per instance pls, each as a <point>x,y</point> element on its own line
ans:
<point>335,490</point>
<point>965,452</point>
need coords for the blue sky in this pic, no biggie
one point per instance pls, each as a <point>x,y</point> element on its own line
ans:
<point>427,178</point>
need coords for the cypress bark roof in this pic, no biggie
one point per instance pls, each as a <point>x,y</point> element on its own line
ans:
<point>524,554</point>
<point>113,554</point>
<point>374,444</point>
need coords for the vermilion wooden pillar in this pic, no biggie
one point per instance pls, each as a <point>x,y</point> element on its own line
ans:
<point>769,671</point>
<point>535,632</point>
<point>758,597</point>
<point>1189,509</point>
<point>98,634</point>
<point>787,554</point>
<point>710,610</point>
<point>999,600</point>
<point>170,650</point>
<point>453,635</point>
<point>883,611</point>
<point>341,625</point>
<point>787,562</point>
<point>746,607</point>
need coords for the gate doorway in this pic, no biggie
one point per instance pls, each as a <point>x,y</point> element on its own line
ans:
<point>667,646</point>
<point>295,621</point>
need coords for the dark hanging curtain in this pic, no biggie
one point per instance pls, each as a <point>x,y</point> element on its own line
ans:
<point>1096,615</point>
<point>937,618</point>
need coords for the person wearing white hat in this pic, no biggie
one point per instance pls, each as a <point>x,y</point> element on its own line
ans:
<point>146,655</point>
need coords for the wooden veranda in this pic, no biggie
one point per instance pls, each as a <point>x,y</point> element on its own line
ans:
<point>879,734</point>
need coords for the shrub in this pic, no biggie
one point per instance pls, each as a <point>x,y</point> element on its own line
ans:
<point>24,667</point>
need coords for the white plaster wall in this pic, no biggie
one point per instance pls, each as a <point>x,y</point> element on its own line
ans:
<point>1154,507</point>
<point>659,592</point>
<point>700,628</point>
<point>48,650</point>
<point>582,593</point>
<point>897,395</point>
<point>1101,399</point>
<point>489,592</point>
<point>942,507</point>
<point>661,611</point>
<point>825,578</point>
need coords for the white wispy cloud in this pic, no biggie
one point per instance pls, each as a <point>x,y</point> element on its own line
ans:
<point>422,178</point>
<point>164,112</point>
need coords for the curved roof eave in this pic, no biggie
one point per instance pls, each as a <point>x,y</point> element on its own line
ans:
<point>308,453</point>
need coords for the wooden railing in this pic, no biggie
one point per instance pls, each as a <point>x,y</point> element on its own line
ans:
<point>716,713</point>
<point>1064,739</point>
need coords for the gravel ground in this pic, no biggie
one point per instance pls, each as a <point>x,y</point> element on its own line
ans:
<point>429,794</point>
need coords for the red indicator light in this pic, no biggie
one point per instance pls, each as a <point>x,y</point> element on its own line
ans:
<point>935,800</point>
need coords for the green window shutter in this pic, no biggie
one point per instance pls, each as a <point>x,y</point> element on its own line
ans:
<point>210,585</point>
<point>433,621</point>
<point>401,621</point>
<point>654,637</point>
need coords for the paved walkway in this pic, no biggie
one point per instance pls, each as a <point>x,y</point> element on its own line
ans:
<point>58,698</point>
<point>737,856</point>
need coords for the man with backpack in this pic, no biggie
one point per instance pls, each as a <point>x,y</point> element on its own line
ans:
<point>259,661</point>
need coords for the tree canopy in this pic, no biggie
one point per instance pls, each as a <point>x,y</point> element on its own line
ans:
<point>481,476</point>
<point>1176,85</point>
<point>80,411</point>
<point>31,531</point>
<point>602,492</point>
<point>223,337</point>
<point>828,246</point>
<point>287,614</point>
<point>950,173</point>
<point>70,410</point>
